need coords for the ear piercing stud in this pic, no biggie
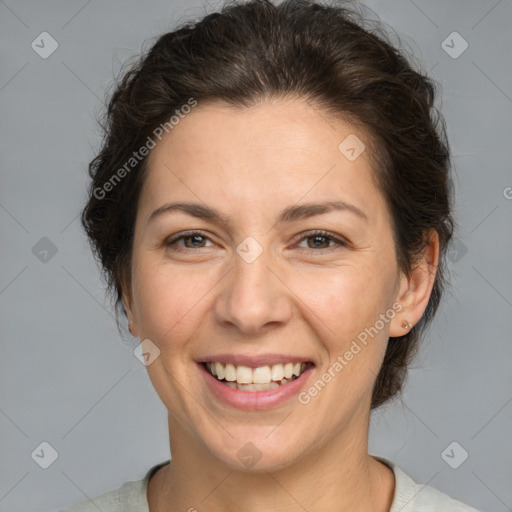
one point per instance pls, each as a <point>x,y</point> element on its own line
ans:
<point>406,325</point>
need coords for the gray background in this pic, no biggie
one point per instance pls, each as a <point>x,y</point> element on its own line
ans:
<point>67,378</point>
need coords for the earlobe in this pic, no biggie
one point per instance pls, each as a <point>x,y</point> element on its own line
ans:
<point>406,325</point>
<point>132,325</point>
<point>131,329</point>
<point>415,289</point>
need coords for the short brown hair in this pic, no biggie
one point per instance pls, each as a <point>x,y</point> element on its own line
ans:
<point>252,50</point>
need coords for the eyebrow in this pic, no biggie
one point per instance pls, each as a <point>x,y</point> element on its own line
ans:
<point>290,214</point>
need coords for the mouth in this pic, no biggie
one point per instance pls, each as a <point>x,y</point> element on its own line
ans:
<point>260,378</point>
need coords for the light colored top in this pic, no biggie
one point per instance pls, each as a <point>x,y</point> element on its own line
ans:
<point>409,496</point>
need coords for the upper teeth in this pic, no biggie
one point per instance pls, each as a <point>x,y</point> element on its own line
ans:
<point>260,375</point>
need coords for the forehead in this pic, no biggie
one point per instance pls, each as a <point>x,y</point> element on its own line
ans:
<point>280,151</point>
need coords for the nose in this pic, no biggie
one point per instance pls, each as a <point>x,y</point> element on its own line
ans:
<point>254,297</point>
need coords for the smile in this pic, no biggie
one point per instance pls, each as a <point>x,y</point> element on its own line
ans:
<point>261,378</point>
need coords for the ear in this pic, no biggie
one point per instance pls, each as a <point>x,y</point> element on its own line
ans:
<point>127,304</point>
<point>414,291</point>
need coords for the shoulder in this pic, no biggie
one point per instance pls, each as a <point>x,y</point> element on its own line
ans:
<point>128,498</point>
<point>411,496</point>
<point>131,497</point>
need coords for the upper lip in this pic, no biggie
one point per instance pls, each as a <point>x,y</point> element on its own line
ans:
<point>255,361</point>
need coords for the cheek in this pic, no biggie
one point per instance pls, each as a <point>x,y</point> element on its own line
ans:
<point>345,298</point>
<point>342,306</point>
<point>167,300</point>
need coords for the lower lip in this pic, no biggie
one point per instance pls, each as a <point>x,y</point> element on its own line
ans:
<point>254,400</point>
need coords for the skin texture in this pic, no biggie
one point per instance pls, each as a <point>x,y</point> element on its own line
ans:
<point>295,299</point>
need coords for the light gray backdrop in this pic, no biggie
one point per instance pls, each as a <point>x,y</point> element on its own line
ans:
<point>66,377</point>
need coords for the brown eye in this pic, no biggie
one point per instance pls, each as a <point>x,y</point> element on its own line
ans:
<point>188,241</point>
<point>194,241</point>
<point>320,240</point>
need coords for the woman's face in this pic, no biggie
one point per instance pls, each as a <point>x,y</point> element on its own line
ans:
<point>258,284</point>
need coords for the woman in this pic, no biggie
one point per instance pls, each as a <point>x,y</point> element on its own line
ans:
<point>271,207</point>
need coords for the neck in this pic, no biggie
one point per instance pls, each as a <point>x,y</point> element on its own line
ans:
<point>338,477</point>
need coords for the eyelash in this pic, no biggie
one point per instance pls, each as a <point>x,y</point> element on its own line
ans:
<point>317,233</point>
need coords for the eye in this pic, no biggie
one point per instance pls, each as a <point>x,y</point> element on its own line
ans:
<point>315,241</point>
<point>190,240</point>
<point>320,240</point>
